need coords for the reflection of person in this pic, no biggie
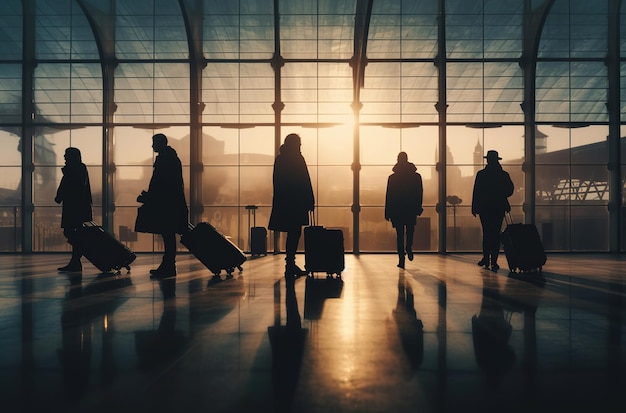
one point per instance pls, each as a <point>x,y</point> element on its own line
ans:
<point>165,199</point>
<point>292,199</point>
<point>156,347</point>
<point>491,332</point>
<point>403,203</point>
<point>74,193</point>
<point>75,355</point>
<point>410,327</point>
<point>492,187</point>
<point>287,343</point>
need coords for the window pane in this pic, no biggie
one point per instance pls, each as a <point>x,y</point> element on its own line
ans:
<point>381,96</point>
<point>553,225</point>
<point>132,146</point>
<point>256,185</point>
<point>465,92</point>
<point>63,32</point>
<point>464,231</point>
<point>146,29</point>
<point>10,229</point>
<point>335,145</point>
<point>220,185</point>
<point>334,186</point>
<point>10,93</point>
<point>11,35</point>
<point>419,92</point>
<point>10,186</point>
<point>234,30</point>
<point>257,146</point>
<point>379,145</point>
<point>129,182</point>
<point>10,153</point>
<point>152,93</point>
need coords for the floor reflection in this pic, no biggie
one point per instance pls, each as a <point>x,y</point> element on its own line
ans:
<point>287,342</point>
<point>411,328</point>
<point>85,308</point>
<point>439,336</point>
<point>491,331</point>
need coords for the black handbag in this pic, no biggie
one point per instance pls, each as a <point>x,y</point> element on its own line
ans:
<point>147,220</point>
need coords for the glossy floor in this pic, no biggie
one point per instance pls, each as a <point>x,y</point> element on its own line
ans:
<point>442,335</point>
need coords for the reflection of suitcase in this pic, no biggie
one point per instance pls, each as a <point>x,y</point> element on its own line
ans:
<point>323,250</point>
<point>523,247</point>
<point>316,291</point>
<point>101,248</point>
<point>258,235</point>
<point>213,249</point>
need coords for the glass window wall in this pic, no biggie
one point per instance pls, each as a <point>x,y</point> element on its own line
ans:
<point>253,93</point>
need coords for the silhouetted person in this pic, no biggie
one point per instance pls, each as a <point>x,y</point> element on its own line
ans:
<point>165,199</point>
<point>492,187</point>
<point>403,203</point>
<point>74,193</point>
<point>292,199</point>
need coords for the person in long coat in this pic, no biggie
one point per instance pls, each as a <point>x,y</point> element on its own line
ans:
<point>403,204</point>
<point>74,193</point>
<point>292,199</point>
<point>492,187</point>
<point>165,202</point>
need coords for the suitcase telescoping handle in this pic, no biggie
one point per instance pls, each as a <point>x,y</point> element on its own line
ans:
<point>91,223</point>
<point>312,220</point>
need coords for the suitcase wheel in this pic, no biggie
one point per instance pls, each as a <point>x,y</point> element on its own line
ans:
<point>239,268</point>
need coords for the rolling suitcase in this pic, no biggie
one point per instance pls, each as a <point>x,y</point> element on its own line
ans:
<point>213,249</point>
<point>522,247</point>
<point>258,235</point>
<point>102,249</point>
<point>258,241</point>
<point>323,249</point>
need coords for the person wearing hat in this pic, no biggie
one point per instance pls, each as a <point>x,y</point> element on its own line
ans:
<point>492,187</point>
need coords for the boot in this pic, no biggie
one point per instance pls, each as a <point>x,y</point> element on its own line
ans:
<point>74,265</point>
<point>484,262</point>
<point>164,270</point>
<point>292,270</point>
<point>409,252</point>
<point>401,261</point>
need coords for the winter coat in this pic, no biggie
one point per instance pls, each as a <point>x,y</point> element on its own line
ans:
<point>492,187</point>
<point>403,200</point>
<point>74,193</point>
<point>293,193</point>
<point>165,207</point>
